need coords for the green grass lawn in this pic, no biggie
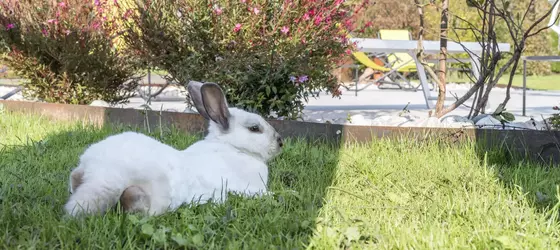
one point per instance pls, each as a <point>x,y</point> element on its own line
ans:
<point>388,194</point>
<point>550,82</point>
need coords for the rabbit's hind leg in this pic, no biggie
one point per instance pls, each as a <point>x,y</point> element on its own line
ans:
<point>135,200</point>
<point>145,199</point>
<point>76,179</point>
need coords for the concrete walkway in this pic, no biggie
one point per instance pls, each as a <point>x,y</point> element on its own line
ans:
<point>373,102</point>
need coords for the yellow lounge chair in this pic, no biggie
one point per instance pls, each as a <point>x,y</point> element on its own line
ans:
<point>396,64</point>
<point>403,61</point>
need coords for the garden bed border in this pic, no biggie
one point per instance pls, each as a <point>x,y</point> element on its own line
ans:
<point>537,145</point>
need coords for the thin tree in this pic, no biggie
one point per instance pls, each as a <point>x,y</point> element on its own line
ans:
<point>442,56</point>
<point>493,63</point>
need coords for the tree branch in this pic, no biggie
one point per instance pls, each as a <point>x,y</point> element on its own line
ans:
<point>420,53</point>
<point>442,58</point>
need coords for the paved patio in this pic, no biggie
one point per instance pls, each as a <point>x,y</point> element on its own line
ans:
<point>373,102</point>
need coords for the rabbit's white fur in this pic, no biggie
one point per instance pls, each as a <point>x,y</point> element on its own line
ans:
<point>231,157</point>
<point>108,167</point>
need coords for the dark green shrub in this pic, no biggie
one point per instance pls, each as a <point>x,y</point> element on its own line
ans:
<point>269,56</point>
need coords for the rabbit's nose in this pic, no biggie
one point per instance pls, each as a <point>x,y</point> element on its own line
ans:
<point>279,140</point>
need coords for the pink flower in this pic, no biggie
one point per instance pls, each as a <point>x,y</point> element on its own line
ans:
<point>218,11</point>
<point>306,16</point>
<point>348,52</point>
<point>10,26</point>
<point>318,20</point>
<point>237,28</point>
<point>45,33</point>
<point>62,4</point>
<point>52,21</point>
<point>243,1</point>
<point>256,10</point>
<point>95,25</point>
<point>285,30</point>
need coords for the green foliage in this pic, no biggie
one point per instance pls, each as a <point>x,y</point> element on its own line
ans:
<point>65,52</point>
<point>268,56</point>
<point>555,66</point>
<point>555,119</point>
<point>501,115</point>
<point>541,44</point>
<point>468,17</point>
<point>391,14</point>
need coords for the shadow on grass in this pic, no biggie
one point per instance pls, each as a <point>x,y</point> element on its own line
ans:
<point>34,187</point>
<point>524,161</point>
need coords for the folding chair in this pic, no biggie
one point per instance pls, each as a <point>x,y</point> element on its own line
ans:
<point>396,65</point>
<point>403,62</point>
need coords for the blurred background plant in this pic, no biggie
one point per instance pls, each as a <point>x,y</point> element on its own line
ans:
<point>64,50</point>
<point>389,14</point>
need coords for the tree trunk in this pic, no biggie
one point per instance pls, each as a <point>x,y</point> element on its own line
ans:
<point>490,71</point>
<point>442,58</point>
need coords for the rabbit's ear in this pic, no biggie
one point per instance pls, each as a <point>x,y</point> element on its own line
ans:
<point>215,104</point>
<point>194,90</point>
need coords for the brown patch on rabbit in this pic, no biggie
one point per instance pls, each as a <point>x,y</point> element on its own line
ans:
<point>134,199</point>
<point>77,178</point>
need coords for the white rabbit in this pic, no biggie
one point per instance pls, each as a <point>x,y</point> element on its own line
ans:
<point>151,177</point>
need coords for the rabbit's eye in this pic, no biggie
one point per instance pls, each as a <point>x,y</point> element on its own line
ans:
<point>254,129</point>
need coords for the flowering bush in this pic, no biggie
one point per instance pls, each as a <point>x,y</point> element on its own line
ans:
<point>65,52</point>
<point>269,56</point>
